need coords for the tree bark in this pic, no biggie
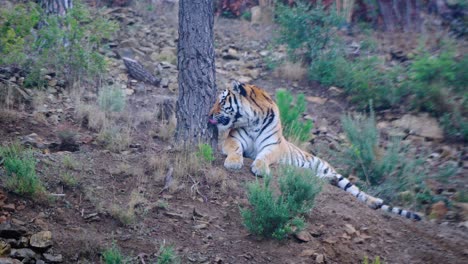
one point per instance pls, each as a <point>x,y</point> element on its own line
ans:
<point>56,7</point>
<point>197,88</point>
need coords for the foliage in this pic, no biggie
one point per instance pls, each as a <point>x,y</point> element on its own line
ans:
<point>167,255</point>
<point>247,15</point>
<point>66,45</point>
<point>20,167</point>
<point>299,188</point>
<point>435,81</point>
<point>277,216</point>
<point>111,99</point>
<point>290,113</point>
<point>69,162</point>
<point>69,180</point>
<point>309,31</point>
<point>391,170</point>
<point>113,255</point>
<point>205,153</point>
<point>115,137</point>
<point>375,261</point>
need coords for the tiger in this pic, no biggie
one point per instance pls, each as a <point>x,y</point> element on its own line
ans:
<point>251,120</point>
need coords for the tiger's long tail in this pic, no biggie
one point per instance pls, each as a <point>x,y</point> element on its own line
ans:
<point>299,158</point>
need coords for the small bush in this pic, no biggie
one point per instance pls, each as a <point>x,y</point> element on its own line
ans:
<point>20,167</point>
<point>309,31</point>
<point>205,153</point>
<point>69,163</point>
<point>293,127</point>
<point>247,15</point>
<point>115,138</point>
<point>167,255</point>
<point>375,261</point>
<point>111,99</point>
<point>113,255</point>
<point>69,180</point>
<point>277,216</point>
<point>67,45</point>
<point>299,187</point>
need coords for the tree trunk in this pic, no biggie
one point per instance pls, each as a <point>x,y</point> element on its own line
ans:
<point>57,7</point>
<point>197,88</point>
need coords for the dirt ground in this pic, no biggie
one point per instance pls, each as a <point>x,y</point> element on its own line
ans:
<point>201,218</point>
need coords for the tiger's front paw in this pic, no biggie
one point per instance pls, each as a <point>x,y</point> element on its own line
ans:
<point>260,168</point>
<point>374,203</point>
<point>233,162</point>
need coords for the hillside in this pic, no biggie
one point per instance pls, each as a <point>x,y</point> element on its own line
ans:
<point>115,193</point>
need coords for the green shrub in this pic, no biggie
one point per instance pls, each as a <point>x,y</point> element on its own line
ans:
<point>299,187</point>
<point>375,261</point>
<point>111,99</point>
<point>69,180</point>
<point>309,31</point>
<point>391,170</point>
<point>115,137</point>
<point>269,215</point>
<point>113,255</point>
<point>15,32</point>
<point>431,78</point>
<point>66,45</point>
<point>277,216</point>
<point>20,167</point>
<point>205,153</point>
<point>247,15</point>
<point>167,255</point>
<point>291,112</point>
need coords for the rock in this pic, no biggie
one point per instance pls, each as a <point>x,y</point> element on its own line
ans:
<point>10,261</point>
<point>264,53</point>
<point>335,90</point>
<point>53,258</point>
<point>316,100</point>
<point>303,236</point>
<point>244,79</point>
<point>230,54</point>
<point>41,240</point>
<point>9,207</point>
<point>358,240</point>
<point>8,230</point>
<point>33,140</point>
<point>463,224</point>
<point>5,248</point>
<point>438,210</point>
<point>129,92</point>
<point>200,226</point>
<point>52,83</point>
<point>24,253</point>
<point>164,82</point>
<point>350,229</point>
<point>421,125</point>
<point>320,258</point>
<point>129,43</point>
<point>307,253</point>
<point>462,209</point>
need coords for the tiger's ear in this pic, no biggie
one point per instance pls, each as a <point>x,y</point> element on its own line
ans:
<point>239,88</point>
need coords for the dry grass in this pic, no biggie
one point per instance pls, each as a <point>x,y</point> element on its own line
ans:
<point>126,214</point>
<point>218,177</point>
<point>8,116</point>
<point>291,71</point>
<point>90,115</point>
<point>166,129</point>
<point>114,137</point>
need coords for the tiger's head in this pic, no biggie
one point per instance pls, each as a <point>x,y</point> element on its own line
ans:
<point>229,110</point>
